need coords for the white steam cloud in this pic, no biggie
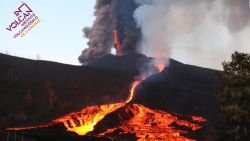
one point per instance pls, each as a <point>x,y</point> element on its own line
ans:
<point>199,32</point>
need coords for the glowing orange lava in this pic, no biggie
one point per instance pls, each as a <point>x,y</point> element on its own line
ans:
<point>89,117</point>
<point>146,124</point>
<point>152,125</point>
<point>198,119</point>
<point>160,66</point>
<point>117,43</point>
<point>84,121</point>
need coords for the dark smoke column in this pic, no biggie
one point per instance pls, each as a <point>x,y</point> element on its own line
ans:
<point>111,15</point>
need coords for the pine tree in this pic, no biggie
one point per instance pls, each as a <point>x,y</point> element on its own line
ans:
<point>234,98</point>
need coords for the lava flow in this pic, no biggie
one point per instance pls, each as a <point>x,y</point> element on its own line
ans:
<point>89,117</point>
<point>84,121</point>
<point>144,123</point>
<point>149,124</point>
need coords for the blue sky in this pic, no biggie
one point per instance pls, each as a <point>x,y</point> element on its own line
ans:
<point>58,37</point>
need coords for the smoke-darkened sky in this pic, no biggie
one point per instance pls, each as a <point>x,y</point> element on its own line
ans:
<point>198,32</point>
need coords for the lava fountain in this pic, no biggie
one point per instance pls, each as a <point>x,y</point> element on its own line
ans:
<point>117,43</point>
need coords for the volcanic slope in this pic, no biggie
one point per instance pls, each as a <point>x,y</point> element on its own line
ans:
<point>34,92</point>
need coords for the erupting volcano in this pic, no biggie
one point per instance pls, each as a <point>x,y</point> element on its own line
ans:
<point>136,119</point>
<point>140,92</point>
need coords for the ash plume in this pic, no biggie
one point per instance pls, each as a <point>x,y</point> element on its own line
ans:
<point>203,33</point>
<point>111,15</point>
<point>197,32</point>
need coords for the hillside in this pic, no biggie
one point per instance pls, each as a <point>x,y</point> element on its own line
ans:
<point>36,92</point>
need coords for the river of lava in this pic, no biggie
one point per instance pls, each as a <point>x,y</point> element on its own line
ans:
<point>84,121</point>
<point>152,125</point>
<point>145,123</point>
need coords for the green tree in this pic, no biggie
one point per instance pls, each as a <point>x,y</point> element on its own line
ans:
<point>234,98</point>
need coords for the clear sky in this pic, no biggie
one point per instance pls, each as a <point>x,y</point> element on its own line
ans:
<point>58,37</point>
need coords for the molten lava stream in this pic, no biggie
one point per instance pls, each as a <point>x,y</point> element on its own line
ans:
<point>151,125</point>
<point>145,123</point>
<point>84,121</point>
<point>90,116</point>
